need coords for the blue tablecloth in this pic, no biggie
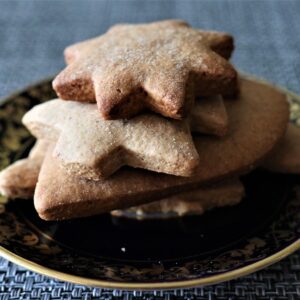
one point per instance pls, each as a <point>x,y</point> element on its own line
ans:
<point>33,35</point>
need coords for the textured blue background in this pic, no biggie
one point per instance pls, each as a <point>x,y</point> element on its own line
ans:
<point>33,35</point>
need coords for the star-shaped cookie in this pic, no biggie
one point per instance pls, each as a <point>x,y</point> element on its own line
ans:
<point>286,157</point>
<point>209,116</point>
<point>19,179</point>
<point>159,66</point>
<point>94,148</point>
<point>196,202</point>
<point>236,153</point>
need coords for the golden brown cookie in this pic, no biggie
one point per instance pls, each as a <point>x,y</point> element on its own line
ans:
<point>209,116</point>
<point>196,202</point>
<point>257,123</point>
<point>94,148</point>
<point>84,131</point>
<point>159,66</point>
<point>286,156</point>
<point>19,179</point>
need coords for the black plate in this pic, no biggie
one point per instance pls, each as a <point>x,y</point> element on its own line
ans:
<point>113,252</point>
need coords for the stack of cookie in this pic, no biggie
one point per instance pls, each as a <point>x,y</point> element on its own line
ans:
<point>159,124</point>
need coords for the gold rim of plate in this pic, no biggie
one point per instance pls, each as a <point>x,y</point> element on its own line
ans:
<point>155,285</point>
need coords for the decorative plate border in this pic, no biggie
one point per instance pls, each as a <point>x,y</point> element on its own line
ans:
<point>265,261</point>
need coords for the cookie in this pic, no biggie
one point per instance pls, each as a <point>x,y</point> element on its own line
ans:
<point>209,116</point>
<point>286,156</point>
<point>19,179</point>
<point>252,134</point>
<point>93,148</point>
<point>79,127</point>
<point>82,130</point>
<point>159,66</point>
<point>195,202</point>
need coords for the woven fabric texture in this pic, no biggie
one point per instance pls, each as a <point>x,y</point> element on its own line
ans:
<point>280,281</point>
<point>33,35</point>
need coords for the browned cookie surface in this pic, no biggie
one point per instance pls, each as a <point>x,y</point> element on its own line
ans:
<point>19,179</point>
<point>286,156</point>
<point>159,66</point>
<point>209,116</point>
<point>94,148</point>
<point>195,202</point>
<point>257,123</point>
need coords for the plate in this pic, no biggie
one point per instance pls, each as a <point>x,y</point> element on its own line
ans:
<point>160,254</point>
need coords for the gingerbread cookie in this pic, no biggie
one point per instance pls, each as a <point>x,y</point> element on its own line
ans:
<point>209,116</point>
<point>159,66</point>
<point>286,156</point>
<point>195,202</point>
<point>95,148</point>
<point>19,179</point>
<point>252,134</point>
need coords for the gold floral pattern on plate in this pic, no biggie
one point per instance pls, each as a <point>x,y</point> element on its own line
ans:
<point>41,246</point>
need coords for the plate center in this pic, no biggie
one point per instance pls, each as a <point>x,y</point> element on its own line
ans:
<point>154,240</point>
